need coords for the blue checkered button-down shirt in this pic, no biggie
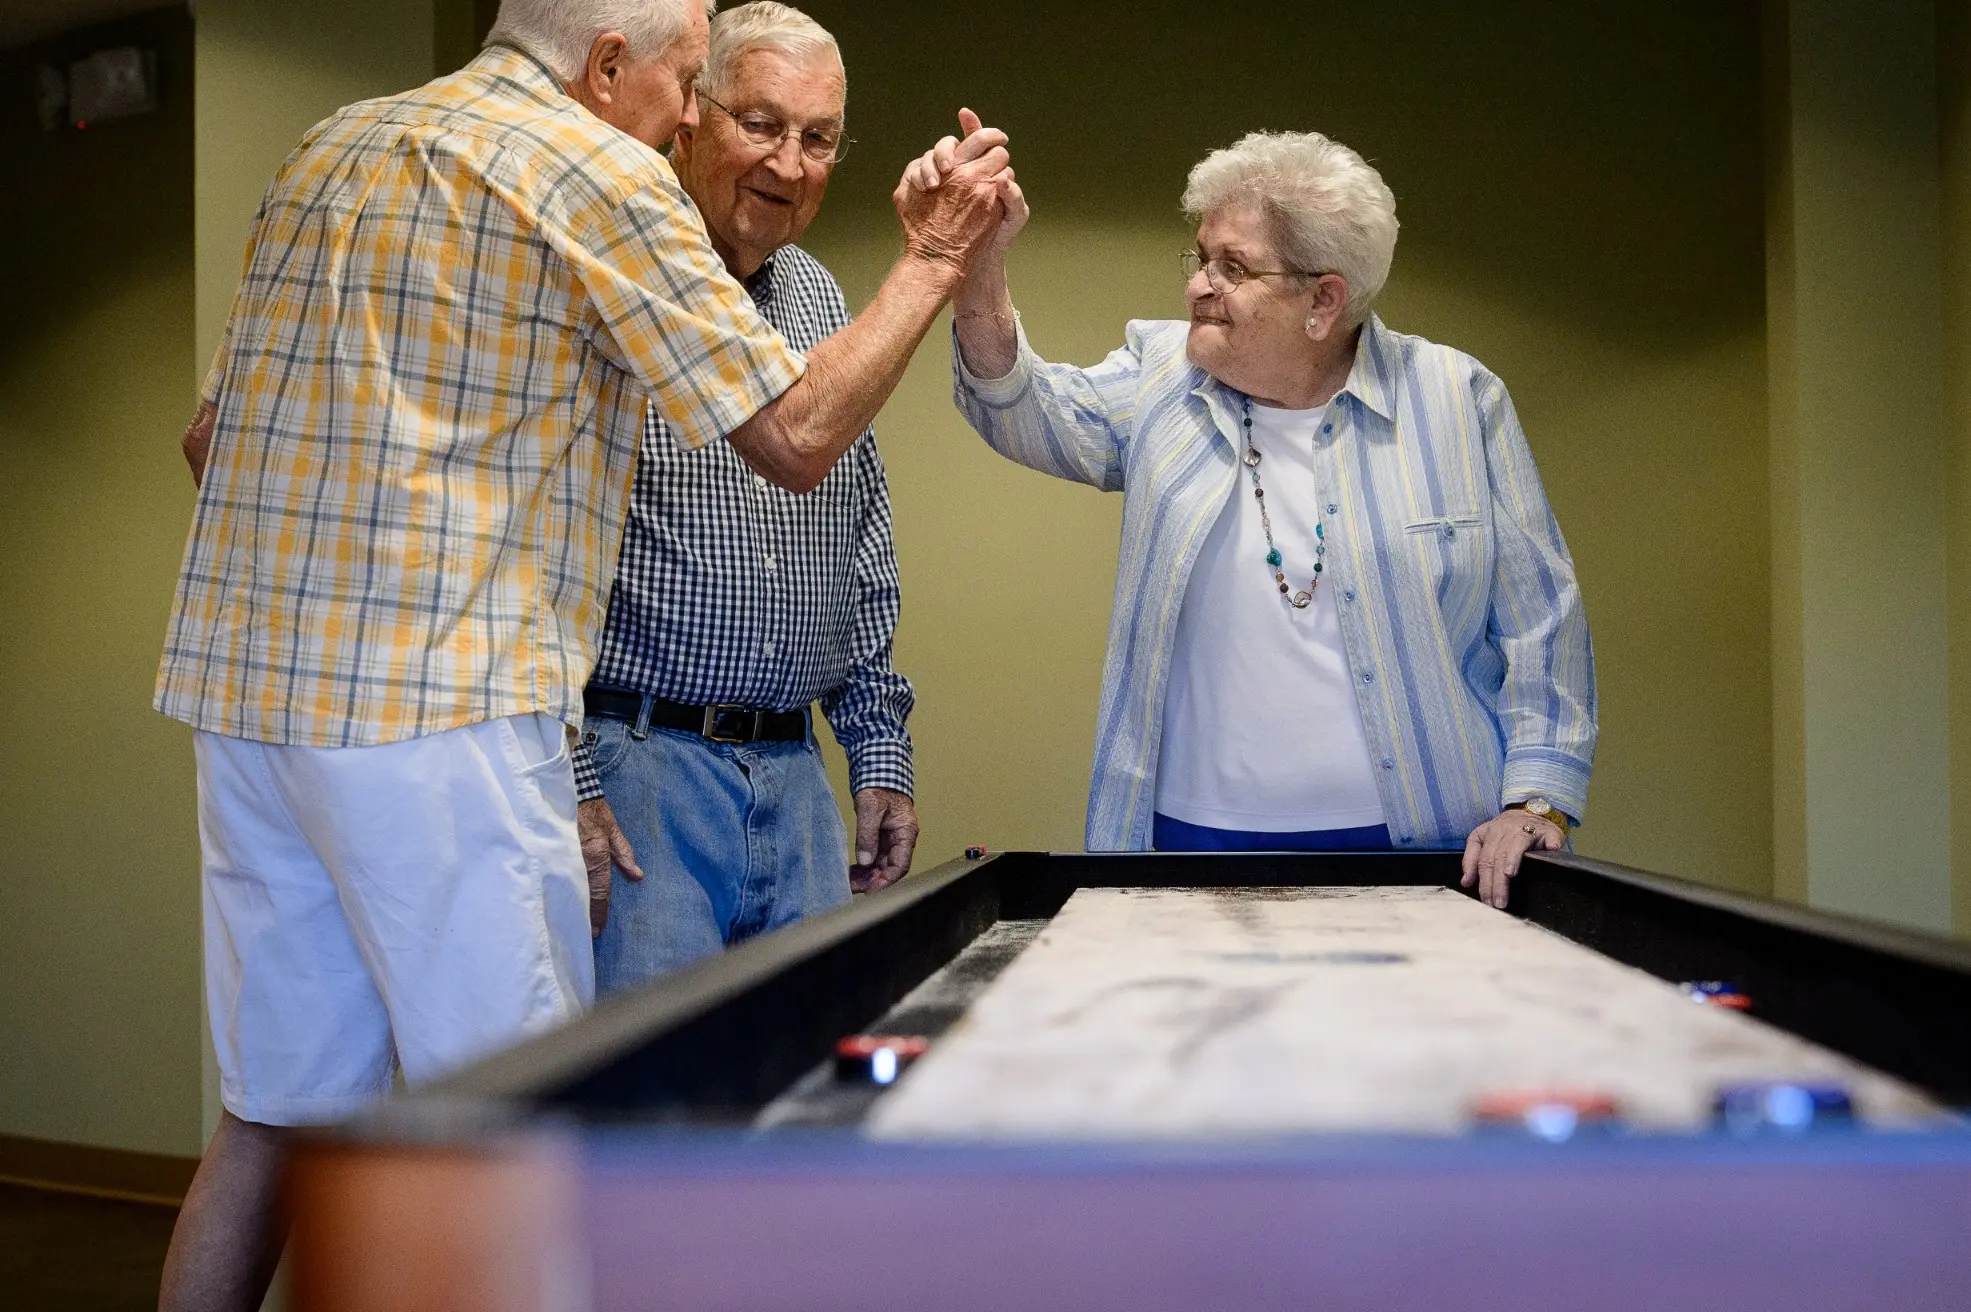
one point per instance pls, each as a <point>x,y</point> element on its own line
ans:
<point>730,589</point>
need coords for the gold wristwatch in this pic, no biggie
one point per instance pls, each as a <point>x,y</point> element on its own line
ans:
<point>1545,810</point>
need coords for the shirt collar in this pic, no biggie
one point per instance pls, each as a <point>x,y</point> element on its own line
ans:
<point>512,62</point>
<point>1368,382</point>
<point>1368,379</point>
<point>760,285</point>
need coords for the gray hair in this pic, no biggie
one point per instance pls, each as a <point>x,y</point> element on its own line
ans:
<point>560,33</point>
<point>1330,212</point>
<point>762,25</point>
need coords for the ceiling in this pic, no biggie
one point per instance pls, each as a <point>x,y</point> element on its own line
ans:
<point>28,20</point>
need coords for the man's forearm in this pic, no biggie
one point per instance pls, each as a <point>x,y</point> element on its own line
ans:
<point>796,440</point>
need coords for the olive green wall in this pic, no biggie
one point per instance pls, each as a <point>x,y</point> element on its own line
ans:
<point>268,71</point>
<point>1580,191</point>
<point>1862,755</point>
<point>1954,151</point>
<point>99,972</point>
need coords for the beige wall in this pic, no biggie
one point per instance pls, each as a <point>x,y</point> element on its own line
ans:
<point>1954,149</point>
<point>1558,223</point>
<point>99,995</point>
<point>1862,753</point>
<point>268,70</point>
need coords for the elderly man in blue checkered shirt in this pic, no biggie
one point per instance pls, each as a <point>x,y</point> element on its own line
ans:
<point>737,604</point>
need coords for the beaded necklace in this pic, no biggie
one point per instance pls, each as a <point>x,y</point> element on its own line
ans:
<point>1298,600</point>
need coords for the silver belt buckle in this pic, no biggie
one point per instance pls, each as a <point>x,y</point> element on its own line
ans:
<point>710,729</point>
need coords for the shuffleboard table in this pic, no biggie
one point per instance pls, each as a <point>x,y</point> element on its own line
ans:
<point>1169,1081</point>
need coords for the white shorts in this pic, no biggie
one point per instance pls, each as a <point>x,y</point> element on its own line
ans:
<point>416,904</point>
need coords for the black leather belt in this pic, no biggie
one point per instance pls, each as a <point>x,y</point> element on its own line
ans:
<point>719,723</point>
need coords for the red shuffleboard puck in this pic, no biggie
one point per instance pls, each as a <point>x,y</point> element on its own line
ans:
<point>877,1058</point>
<point>1550,1114</point>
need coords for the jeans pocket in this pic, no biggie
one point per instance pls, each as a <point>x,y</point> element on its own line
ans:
<point>608,741</point>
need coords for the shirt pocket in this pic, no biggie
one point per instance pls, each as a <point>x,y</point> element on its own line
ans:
<point>841,486</point>
<point>1450,550</point>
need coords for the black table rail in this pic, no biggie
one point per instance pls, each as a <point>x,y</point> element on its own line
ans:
<point>716,1042</point>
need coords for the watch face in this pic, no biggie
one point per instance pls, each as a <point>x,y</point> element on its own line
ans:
<point>1538,805</point>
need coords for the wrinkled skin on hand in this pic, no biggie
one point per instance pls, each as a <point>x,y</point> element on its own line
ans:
<point>1495,848</point>
<point>885,839</point>
<point>604,848</point>
<point>960,219</point>
<point>928,172</point>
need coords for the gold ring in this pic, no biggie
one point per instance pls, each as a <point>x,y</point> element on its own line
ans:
<point>1529,829</point>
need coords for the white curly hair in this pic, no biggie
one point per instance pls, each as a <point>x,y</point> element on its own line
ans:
<point>1330,212</point>
<point>762,25</point>
<point>560,33</point>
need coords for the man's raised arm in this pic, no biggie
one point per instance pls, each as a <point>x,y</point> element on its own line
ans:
<point>795,440</point>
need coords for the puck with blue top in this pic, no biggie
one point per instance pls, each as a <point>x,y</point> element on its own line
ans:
<point>1784,1108</point>
<point>1716,993</point>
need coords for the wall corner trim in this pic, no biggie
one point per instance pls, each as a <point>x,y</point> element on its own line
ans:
<point>99,1172</point>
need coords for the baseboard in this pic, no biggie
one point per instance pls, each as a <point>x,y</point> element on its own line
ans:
<point>102,1172</point>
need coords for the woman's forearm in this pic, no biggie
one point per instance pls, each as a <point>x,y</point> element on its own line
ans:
<point>988,339</point>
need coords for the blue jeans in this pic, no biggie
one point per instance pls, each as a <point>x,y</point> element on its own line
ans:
<point>1168,835</point>
<point>734,840</point>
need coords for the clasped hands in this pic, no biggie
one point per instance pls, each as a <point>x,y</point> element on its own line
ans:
<point>959,200</point>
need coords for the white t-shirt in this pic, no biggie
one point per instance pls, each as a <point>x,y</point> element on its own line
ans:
<point>1261,730</point>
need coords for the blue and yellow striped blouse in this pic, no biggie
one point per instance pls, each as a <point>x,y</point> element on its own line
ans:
<point>1458,604</point>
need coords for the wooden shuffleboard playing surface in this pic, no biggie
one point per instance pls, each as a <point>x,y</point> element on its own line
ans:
<point>1190,1013</point>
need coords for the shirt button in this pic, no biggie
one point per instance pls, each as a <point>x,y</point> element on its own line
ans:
<point>1327,428</point>
<point>770,564</point>
<point>759,480</point>
<point>1449,532</point>
<point>1368,677</point>
<point>1409,838</point>
<point>1388,763</point>
<point>1332,507</point>
<point>768,649</point>
<point>1348,595</point>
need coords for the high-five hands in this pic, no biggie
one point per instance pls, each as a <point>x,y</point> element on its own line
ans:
<point>935,167</point>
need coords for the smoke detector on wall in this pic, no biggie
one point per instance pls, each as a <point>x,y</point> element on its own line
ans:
<point>102,88</point>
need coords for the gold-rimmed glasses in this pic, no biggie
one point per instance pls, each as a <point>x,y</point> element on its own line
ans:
<point>822,144</point>
<point>1225,274</point>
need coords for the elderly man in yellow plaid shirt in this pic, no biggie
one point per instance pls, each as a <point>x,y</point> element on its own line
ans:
<point>415,449</point>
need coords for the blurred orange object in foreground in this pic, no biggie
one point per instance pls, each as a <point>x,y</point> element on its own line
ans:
<point>437,1229</point>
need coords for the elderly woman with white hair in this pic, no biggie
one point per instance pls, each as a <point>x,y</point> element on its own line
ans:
<point>1344,614</point>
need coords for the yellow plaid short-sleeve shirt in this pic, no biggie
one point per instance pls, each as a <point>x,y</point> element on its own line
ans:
<point>429,396</point>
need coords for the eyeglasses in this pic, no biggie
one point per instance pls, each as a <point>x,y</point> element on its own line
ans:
<point>1225,275</point>
<point>823,145</point>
